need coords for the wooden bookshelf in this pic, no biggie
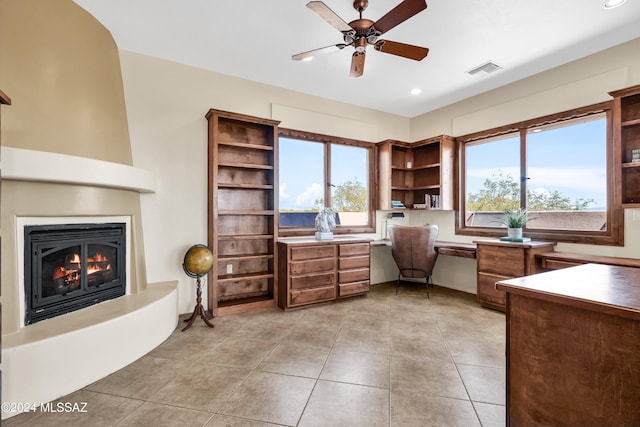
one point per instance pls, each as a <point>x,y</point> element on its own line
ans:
<point>414,173</point>
<point>242,221</point>
<point>626,138</point>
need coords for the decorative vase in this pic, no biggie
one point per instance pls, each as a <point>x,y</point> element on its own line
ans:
<point>514,233</point>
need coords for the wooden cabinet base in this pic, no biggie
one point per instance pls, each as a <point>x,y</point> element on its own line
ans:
<point>313,271</point>
<point>498,260</point>
<point>573,347</point>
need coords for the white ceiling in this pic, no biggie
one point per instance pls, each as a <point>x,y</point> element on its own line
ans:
<point>254,39</point>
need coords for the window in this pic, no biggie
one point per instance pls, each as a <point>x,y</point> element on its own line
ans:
<point>557,167</point>
<point>319,170</point>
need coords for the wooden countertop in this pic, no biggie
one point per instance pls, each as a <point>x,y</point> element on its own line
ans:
<point>307,240</point>
<point>603,288</point>
<point>529,244</point>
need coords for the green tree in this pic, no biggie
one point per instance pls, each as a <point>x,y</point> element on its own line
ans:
<point>503,192</point>
<point>348,197</point>
<point>497,194</point>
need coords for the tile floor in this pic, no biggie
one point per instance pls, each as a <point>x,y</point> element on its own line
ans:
<point>379,360</point>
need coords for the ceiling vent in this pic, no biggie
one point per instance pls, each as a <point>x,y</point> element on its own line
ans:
<point>484,69</point>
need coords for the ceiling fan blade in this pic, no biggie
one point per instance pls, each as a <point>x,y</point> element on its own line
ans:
<point>410,51</point>
<point>329,15</point>
<point>314,52</point>
<point>399,14</point>
<point>357,64</point>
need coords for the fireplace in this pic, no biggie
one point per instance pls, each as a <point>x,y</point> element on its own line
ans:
<point>72,266</point>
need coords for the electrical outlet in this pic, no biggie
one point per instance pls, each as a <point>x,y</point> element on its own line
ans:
<point>229,268</point>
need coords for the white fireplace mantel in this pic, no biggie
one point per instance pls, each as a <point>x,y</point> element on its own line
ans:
<point>43,166</point>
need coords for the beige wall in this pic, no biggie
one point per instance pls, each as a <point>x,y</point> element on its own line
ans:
<point>62,71</point>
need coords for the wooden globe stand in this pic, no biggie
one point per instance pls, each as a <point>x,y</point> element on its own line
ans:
<point>199,310</point>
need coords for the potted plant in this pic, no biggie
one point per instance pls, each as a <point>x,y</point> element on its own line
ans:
<point>515,220</point>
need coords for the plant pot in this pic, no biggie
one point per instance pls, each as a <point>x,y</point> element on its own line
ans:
<point>514,233</point>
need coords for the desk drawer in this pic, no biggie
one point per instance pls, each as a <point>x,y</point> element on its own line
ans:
<point>313,281</point>
<point>355,249</point>
<point>353,275</point>
<point>353,288</point>
<point>312,266</point>
<point>312,252</point>
<point>353,262</point>
<point>501,260</point>
<point>308,296</point>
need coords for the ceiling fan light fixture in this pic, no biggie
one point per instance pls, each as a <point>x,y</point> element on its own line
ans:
<point>308,58</point>
<point>416,91</point>
<point>612,4</point>
<point>362,32</point>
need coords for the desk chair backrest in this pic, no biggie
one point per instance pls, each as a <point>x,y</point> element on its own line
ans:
<point>413,249</point>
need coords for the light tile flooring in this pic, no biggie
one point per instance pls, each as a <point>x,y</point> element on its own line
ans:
<point>379,360</point>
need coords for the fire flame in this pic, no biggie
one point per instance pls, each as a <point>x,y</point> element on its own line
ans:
<point>75,259</point>
<point>94,265</point>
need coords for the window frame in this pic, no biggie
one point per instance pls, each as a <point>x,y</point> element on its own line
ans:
<point>613,235</point>
<point>327,140</point>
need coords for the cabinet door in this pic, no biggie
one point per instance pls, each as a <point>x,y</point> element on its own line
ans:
<point>487,291</point>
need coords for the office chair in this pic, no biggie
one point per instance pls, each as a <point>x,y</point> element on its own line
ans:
<point>413,250</point>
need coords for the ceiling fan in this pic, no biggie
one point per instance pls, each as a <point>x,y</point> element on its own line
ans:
<point>361,32</point>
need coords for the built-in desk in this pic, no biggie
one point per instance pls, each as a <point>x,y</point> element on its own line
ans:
<point>573,347</point>
<point>464,250</point>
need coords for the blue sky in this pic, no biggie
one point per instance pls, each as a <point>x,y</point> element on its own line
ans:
<point>302,170</point>
<point>571,160</point>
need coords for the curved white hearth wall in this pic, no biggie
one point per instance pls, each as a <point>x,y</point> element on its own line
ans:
<point>42,166</point>
<point>52,358</point>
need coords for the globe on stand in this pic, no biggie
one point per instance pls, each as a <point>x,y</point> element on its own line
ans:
<point>198,260</point>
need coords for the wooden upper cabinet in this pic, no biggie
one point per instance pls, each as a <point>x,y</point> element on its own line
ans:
<point>626,140</point>
<point>420,173</point>
<point>242,211</point>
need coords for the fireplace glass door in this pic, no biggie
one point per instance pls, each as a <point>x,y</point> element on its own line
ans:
<point>70,267</point>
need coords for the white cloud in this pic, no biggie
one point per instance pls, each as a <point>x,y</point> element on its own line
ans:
<point>283,191</point>
<point>583,179</point>
<point>308,196</point>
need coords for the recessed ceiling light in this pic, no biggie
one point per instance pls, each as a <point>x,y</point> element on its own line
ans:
<point>308,58</point>
<point>416,91</point>
<point>611,4</point>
